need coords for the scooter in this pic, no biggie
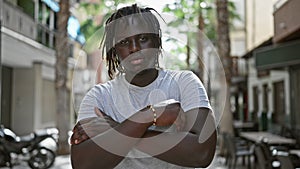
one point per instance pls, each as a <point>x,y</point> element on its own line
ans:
<point>37,149</point>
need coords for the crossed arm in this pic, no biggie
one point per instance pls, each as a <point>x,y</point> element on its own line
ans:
<point>192,146</point>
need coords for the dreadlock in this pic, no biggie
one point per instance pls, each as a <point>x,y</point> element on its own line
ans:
<point>107,42</point>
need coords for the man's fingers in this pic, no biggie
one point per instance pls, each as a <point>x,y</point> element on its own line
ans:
<point>72,139</point>
<point>79,124</point>
<point>98,112</point>
<point>75,137</point>
<point>79,137</point>
<point>90,127</point>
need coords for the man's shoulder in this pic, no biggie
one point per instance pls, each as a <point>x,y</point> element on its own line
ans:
<point>106,85</point>
<point>179,74</point>
<point>100,88</point>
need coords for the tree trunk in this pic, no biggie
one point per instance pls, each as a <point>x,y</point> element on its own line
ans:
<point>224,53</point>
<point>200,57</point>
<point>223,43</point>
<point>61,73</point>
<point>188,52</point>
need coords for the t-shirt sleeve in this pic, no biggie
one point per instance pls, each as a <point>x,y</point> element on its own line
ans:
<point>88,104</point>
<point>192,92</point>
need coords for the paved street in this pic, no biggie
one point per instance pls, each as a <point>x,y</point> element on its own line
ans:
<point>63,162</point>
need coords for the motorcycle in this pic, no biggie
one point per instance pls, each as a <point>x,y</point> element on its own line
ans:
<point>37,149</point>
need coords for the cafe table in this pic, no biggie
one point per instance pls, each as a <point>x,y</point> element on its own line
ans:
<point>243,125</point>
<point>296,152</point>
<point>272,139</point>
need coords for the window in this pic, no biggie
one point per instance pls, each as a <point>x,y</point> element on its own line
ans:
<point>255,102</point>
<point>265,98</point>
<point>279,103</point>
<point>295,97</point>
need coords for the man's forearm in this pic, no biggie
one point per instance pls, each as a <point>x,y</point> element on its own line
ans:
<point>180,148</point>
<point>88,154</point>
<point>194,146</point>
<point>101,150</point>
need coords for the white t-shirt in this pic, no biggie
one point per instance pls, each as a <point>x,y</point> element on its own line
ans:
<point>119,100</point>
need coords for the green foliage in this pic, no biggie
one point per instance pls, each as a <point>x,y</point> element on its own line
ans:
<point>27,6</point>
<point>88,27</point>
<point>187,14</point>
<point>232,14</point>
<point>94,41</point>
<point>173,61</point>
<point>104,8</point>
<point>188,11</point>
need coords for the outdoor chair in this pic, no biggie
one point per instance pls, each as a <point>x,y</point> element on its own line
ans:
<point>268,160</point>
<point>234,151</point>
<point>286,131</point>
<point>295,160</point>
<point>262,160</point>
<point>296,135</point>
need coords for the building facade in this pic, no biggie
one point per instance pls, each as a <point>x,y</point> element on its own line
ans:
<point>256,93</point>
<point>273,71</point>
<point>283,56</point>
<point>28,100</point>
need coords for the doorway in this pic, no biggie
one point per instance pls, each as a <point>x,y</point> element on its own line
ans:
<point>6,92</point>
<point>279,103</point>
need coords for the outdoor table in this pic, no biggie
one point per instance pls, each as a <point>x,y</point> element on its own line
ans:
<point>296,152</point>
<point>272,139</point>
<point>240,126</point>
<point>243,125</point>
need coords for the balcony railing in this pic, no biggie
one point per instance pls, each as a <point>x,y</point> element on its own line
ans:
<point>15,19</point>
<point>45,36</point>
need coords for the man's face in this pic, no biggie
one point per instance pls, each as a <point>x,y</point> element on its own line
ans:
<point>136,45</point>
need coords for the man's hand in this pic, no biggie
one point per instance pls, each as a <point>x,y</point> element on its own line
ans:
<point>90,127</point>
<point>170,114</point>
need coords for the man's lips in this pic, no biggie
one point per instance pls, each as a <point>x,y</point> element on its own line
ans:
<point>136,61</point>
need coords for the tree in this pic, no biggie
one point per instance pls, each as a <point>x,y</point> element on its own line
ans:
<point>193,11</point>
<point>61,72</point>
<point>92,22</point>
<point>200,12</point>
<point>92,17</point>
<point>223,43</point>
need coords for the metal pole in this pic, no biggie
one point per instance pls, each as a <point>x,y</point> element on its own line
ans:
<point>1,5</point>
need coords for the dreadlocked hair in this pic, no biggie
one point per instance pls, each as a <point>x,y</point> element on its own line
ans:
<point>107,42</point>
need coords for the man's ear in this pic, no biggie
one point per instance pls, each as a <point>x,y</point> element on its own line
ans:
<point>157,40</point>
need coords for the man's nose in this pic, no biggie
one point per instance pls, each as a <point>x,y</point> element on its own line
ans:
<point>134,46</point>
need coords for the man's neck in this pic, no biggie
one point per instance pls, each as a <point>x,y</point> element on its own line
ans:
<point>143,78</point>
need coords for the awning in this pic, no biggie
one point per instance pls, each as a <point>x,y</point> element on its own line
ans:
<point>264,44</point>
<point>74,30</point>
<point>52,4</point>
<point>73,23</point>
<point>277,56</point>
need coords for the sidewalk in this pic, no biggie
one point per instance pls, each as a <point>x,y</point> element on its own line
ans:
<point>63,162</point>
